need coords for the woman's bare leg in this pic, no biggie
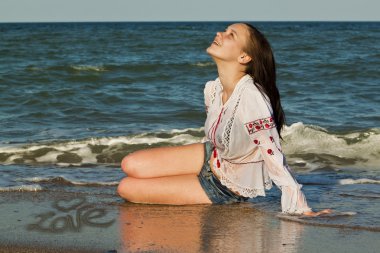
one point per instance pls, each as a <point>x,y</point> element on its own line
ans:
<point>177,190</point>
<point>164,175</point>
<point>164,161</point>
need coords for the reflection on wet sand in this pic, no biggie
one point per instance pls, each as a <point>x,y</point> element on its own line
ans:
<point>204,228</point>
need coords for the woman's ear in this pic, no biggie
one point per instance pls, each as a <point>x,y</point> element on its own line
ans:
<point>244,59</point>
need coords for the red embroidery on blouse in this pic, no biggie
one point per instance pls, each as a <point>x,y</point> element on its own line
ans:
<point>259,124</point>
<point>214,132</point>
<point>256,142</point>
<point>270,151</point>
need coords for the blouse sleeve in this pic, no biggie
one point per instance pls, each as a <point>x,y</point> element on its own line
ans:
<point>207,95</point>
<point>259,125</point>
<point>207,101</point>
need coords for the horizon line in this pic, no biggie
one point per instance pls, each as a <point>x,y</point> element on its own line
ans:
<point>185,21</point>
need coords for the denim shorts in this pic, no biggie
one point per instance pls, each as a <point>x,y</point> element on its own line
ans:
<point>217,193</point>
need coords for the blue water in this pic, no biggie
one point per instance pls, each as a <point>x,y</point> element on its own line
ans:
<point>75,98</point>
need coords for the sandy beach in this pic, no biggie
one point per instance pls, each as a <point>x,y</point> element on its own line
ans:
<point>72,222</point>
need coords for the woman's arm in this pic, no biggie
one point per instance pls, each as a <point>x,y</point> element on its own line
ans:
<point>293,199</point>
<point>260,128</point>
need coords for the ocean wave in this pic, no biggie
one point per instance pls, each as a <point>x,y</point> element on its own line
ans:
<point>101,150</point>
<point>313,180</point>
<point>204,64</point>
<point>63,180</point>
<point>358,181</point>
<point>79,67</point>
<point>327,221</point>
<point>33,187</point>
<point>88,68</point>
<point>131,66</point>
<point>307,147</point>
<point>361,196</point>
<point>313,147</point>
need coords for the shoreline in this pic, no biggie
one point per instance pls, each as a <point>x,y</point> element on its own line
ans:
<point>76,222</point>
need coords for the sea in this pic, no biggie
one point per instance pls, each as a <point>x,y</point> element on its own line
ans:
<point>77,97</point>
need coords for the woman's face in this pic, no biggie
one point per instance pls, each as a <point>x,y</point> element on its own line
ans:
<point>228,45</point>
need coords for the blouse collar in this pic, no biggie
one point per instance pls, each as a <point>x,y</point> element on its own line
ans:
<point>237,86</point>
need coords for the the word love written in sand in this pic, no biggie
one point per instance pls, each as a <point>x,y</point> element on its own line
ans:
<point>71,215</point>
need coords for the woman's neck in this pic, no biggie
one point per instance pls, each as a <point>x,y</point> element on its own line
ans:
<point>229,76</point>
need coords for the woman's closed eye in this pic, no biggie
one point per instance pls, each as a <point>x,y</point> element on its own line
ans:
<point>231,33</point>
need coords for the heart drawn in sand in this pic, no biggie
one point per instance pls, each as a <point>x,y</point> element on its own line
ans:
<point>67,205</point>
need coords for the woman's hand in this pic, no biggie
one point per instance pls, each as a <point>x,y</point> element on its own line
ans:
<point>313,214</point>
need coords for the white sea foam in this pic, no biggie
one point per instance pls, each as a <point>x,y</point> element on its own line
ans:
<point>88,68</point>
<point>357,149</point>
<point>34,187</point>
<point>358,181</point>
<point>310,147</point>
<point>67,180</point>
<point>316,180</point>
<point>204,64</point>
<point>48,157</point>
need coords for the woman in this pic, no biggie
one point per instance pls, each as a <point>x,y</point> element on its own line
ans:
<point>240,155</point>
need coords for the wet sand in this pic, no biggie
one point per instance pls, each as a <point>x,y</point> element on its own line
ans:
<point>72,222</point>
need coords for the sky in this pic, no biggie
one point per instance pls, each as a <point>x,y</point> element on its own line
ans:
<point>191,10</point>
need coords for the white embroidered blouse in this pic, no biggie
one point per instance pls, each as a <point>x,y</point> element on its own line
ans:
<point>248,155</point>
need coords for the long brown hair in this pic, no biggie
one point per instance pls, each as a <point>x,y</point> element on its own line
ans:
<point>262,68</point>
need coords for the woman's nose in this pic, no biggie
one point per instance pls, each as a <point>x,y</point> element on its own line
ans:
<point>218,34</point>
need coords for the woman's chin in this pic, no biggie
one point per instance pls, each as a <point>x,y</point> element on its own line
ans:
<point>210,50</point>
<point>215,54</point>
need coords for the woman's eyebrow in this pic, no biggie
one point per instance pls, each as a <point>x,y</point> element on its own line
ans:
<point>232,30</point>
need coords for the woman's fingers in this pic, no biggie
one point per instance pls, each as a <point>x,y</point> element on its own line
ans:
<point>326,211</point>
<point>313,214</point>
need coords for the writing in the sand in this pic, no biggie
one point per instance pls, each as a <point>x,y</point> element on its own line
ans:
<point>71,216</point>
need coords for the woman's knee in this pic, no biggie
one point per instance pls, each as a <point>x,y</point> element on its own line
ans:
<point>127,164</point>
<point>124,163</point>
<point>124,189</point>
